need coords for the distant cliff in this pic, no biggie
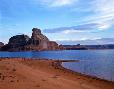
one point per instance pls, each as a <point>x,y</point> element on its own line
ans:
<point>74,47</point>
<point>37,42</point>
<point>88,47</point>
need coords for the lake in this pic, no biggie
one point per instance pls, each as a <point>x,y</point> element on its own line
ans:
<point>99,63</point>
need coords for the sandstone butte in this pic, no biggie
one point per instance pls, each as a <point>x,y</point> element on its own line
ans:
<point>37,42</point>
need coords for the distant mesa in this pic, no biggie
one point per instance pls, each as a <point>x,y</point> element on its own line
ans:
<point>37,42</point>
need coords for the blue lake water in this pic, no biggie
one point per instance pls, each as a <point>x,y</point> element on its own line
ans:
<point>99,63</point>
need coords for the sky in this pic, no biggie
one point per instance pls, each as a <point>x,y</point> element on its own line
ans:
<point>65,21</point>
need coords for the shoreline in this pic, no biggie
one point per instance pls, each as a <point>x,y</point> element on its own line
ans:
<point>49,67</point>
<point>59,65</point>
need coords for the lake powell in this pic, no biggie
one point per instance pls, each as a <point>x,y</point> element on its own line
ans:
<point>98,63</point>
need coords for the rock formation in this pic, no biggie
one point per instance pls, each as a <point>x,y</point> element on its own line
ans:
<point>18,40</point>
<point>37,42</point>
<point>16,43</point>
<point>1,44</point>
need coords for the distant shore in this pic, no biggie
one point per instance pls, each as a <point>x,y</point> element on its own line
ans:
<point>26,73</point>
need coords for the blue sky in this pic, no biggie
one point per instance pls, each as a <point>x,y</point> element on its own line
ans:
<point>64,21</point>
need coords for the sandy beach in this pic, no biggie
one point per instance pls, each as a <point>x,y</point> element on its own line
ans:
<point>21,73</point>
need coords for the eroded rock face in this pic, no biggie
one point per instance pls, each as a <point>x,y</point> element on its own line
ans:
<point>37,35</point>
<point>37,42</point>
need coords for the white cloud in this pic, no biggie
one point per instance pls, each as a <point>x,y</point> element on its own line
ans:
<point>83,28</point>
<point>103,13</point>
<point>86,41</point>
<point>103,6</point>
<point>57,3</point>
<point>71,31</point>
<point>104,26</point>
<point>80,39</point>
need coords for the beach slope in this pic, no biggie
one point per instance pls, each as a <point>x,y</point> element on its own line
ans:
<point>20,73</point>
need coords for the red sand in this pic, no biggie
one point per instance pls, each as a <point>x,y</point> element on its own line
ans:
<point>16,73</point>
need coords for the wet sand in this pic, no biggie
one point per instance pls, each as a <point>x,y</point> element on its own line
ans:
<point>21,73</point>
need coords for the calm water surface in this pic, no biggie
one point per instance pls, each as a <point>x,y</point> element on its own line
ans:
<point>99,63</point>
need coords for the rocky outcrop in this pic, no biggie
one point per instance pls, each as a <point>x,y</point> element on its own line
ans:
<point>52,45</point>
<point>18,40</point>
<point>1,44</point>
<point>16,43</point>
<point>37,35</point>
<point>37,42</point>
